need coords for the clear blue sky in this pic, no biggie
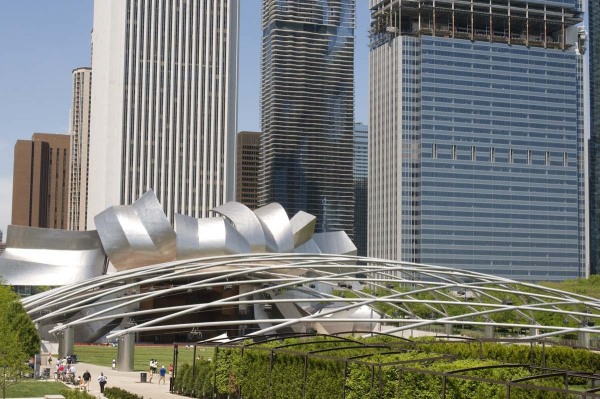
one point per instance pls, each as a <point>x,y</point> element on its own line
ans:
<point>42,41</point>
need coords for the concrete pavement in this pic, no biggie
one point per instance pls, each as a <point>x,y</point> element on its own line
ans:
<point>129,381</point>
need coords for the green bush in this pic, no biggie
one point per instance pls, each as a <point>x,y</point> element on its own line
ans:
<point>203,383</point>
<point>76,394</point>
<point>390,370</point>
<point>118,393</point>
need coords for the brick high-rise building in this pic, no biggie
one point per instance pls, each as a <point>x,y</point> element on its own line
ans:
<point>41,181</point>
<point>247,165</point>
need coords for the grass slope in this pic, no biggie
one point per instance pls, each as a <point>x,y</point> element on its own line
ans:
<point>34,389</point>
<point>103,355</point>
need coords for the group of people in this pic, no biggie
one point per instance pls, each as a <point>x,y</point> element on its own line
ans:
<point>153,370</point>
<point>65,371</point>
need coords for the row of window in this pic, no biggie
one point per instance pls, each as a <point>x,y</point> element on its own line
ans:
<point>491,152</point>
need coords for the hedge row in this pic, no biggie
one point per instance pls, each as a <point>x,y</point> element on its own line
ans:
<point>554,357</point>
<point>76,394</point>
<point>257,372</point>
<point>118,393</point>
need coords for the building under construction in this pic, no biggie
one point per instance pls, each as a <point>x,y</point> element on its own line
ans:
<point>476,135</point>
<point>531,23</point>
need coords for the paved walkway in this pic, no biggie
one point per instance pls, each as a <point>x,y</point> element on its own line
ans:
<point>129,381</point>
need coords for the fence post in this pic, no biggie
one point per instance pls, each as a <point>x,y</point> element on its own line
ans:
<point>271,372</point>
<point>380,383</point>
<point>444,386</point>
<point>304,377</point>
<point>345,378</point>
<point>399,381</point>
<point>215,372</point>
<point>544,354</point>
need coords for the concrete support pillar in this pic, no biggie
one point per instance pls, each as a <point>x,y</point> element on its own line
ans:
<point>533,331</point>
<point>449,328</point>
<point>66,342</point>
<point>584,339</point>
<point>489,331</point>
<point>125,352</point>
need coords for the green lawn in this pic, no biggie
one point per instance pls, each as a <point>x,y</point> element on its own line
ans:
<point>34,389</point>
<point>103,355</point>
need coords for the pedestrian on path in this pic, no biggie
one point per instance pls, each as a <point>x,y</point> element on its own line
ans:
<point>163,372</point>
<point>86,380</point>
<point>102,380</point>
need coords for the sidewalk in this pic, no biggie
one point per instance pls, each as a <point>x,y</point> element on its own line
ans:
<point>129,381</point>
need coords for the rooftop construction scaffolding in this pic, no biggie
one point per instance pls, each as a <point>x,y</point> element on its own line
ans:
<point>519,22</point>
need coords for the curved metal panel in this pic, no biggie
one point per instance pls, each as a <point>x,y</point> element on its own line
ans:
<point>303,227</point>
<point>335,243</point>
<point>246,222</point>
<point>277,228</point>
<point>369,320</point>
<point>309,247</point>
<point>207,237</point>
<point>137,235</point>
<point>38,256</point>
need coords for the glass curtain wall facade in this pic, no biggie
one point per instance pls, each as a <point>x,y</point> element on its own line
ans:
<point>164,104</point>
<point>307,103</point>
<point>361,184</point>
<point>477,156</point>
<point>593,14</point>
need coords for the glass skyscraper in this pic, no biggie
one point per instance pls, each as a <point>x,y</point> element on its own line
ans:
<point>361,184</point>
<point>477,156</point>
<point>594,144</point>
<point>308,109</point>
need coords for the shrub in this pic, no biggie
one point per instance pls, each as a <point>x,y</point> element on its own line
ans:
<point>75,394</point>
<point>118,393</point>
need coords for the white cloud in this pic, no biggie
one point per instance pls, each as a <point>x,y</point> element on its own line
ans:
<point>5,203</point>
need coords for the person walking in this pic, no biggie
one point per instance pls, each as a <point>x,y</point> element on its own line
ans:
<point>163,372</point>
<point>86,380</point>
<point>102,380</point>
<point>151,372</point>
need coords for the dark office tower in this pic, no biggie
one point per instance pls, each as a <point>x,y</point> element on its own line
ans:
<point>361,176</point>
<point>594,143</point>
<point>41,181</point>
<point>476,136</point>
<point>246,176</point>
<point>308,109</point>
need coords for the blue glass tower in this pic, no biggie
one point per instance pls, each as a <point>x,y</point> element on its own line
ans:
<point>594,144</point>
<point>477,136</point>
<point>361,180</point>
<point>307,109</point>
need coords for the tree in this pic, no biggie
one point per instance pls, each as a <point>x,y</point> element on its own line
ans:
<point>13,358</point>
<point>15,318</point>
<point>19,339</point>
